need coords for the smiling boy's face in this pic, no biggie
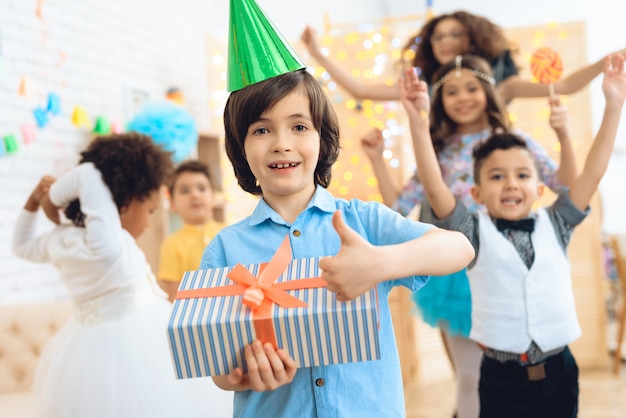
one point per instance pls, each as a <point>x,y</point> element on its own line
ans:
<point>282,149</point>
<point>192,198</point>
<point>509,184</point>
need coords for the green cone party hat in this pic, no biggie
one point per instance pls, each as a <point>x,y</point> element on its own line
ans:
<point>256,50</point>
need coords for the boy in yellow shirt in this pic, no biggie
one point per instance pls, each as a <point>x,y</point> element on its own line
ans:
<point>192,198</point>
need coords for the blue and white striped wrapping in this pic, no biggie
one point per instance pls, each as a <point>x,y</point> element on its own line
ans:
<point>207,335</point>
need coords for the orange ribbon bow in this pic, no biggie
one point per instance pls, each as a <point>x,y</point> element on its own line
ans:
<point>261,293</point>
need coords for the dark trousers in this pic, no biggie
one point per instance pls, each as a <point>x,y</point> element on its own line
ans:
<point>513,391</point>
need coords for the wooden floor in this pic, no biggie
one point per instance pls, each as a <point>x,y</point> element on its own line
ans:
<point>602,394</point>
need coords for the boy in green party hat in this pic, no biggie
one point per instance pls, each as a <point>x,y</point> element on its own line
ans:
<point>282,138</point>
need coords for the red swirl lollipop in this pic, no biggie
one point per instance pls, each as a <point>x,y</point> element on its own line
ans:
<point>547,66</point>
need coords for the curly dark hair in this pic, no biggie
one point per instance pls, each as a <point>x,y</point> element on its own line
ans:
<point>442,126</point>
<point>486,39</point>
<point>485,148</point>
<point>188,166</point>
<point>131,164</point>
<point>245,106</point>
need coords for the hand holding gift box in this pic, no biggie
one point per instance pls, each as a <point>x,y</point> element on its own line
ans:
<point>217,312</point>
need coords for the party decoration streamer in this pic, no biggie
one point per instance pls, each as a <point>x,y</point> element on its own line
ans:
<point>10,144</point>
<point>54,103</point>
<point>102,126</point>
<point>116,127</point>
<point>41,117</point>
<point>25,87</point>
<point>80,117</point>
<point>28,133</point>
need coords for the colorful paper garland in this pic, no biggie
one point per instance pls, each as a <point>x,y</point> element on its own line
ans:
<point>28,133</point>
<point>102,126</point>
<point>54,104</point>
<point>41,117</point>
<point>10,144</point>
<point>80,117</point>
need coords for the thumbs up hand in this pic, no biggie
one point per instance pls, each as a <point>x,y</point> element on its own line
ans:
<point>357,267</point>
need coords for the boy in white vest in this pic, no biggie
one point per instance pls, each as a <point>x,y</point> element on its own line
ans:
<point>523,306</point>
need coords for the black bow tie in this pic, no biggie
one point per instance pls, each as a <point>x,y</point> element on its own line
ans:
<point>527,224</point>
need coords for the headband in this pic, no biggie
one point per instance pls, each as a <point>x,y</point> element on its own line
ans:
<point>457,73</point>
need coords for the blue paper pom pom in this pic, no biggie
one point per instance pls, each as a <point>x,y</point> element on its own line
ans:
<point>169,125</point>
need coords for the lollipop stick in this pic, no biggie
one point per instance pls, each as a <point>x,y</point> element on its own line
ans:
<point>551,89</point>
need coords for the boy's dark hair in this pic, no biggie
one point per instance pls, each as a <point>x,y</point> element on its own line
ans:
<point>131,164</point>
<point>245,106</point>
<point>189,166</point>
<point>442,126</point>
<point>484,149</point>
<point>486,39</point>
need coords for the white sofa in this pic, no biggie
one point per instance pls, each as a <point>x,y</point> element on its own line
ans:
<point>24,331</point>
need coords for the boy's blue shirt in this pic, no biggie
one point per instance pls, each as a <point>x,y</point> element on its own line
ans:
<point>363,389</point>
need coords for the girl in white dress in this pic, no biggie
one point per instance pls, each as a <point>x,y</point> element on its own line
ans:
<point>111,360</point>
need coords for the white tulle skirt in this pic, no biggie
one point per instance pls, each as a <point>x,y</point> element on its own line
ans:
<point>111,360</point>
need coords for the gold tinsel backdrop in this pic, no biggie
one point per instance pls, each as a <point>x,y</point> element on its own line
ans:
<point>370,51</point>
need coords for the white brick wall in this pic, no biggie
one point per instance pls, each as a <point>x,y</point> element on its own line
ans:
<point>111,47</point>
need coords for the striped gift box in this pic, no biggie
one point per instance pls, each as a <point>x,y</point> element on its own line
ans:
<point>207,335</point>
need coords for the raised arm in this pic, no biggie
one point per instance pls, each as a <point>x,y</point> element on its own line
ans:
<point>559,123</point>
<point>515,86</point>
<point>614,88</point>
<point>103,229</point>
<point>373,145</point>
<point>360,265</point>
<point>25,243</point>
<point>354,86</point>
<point>414,96</point>
<point>38,194</point>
